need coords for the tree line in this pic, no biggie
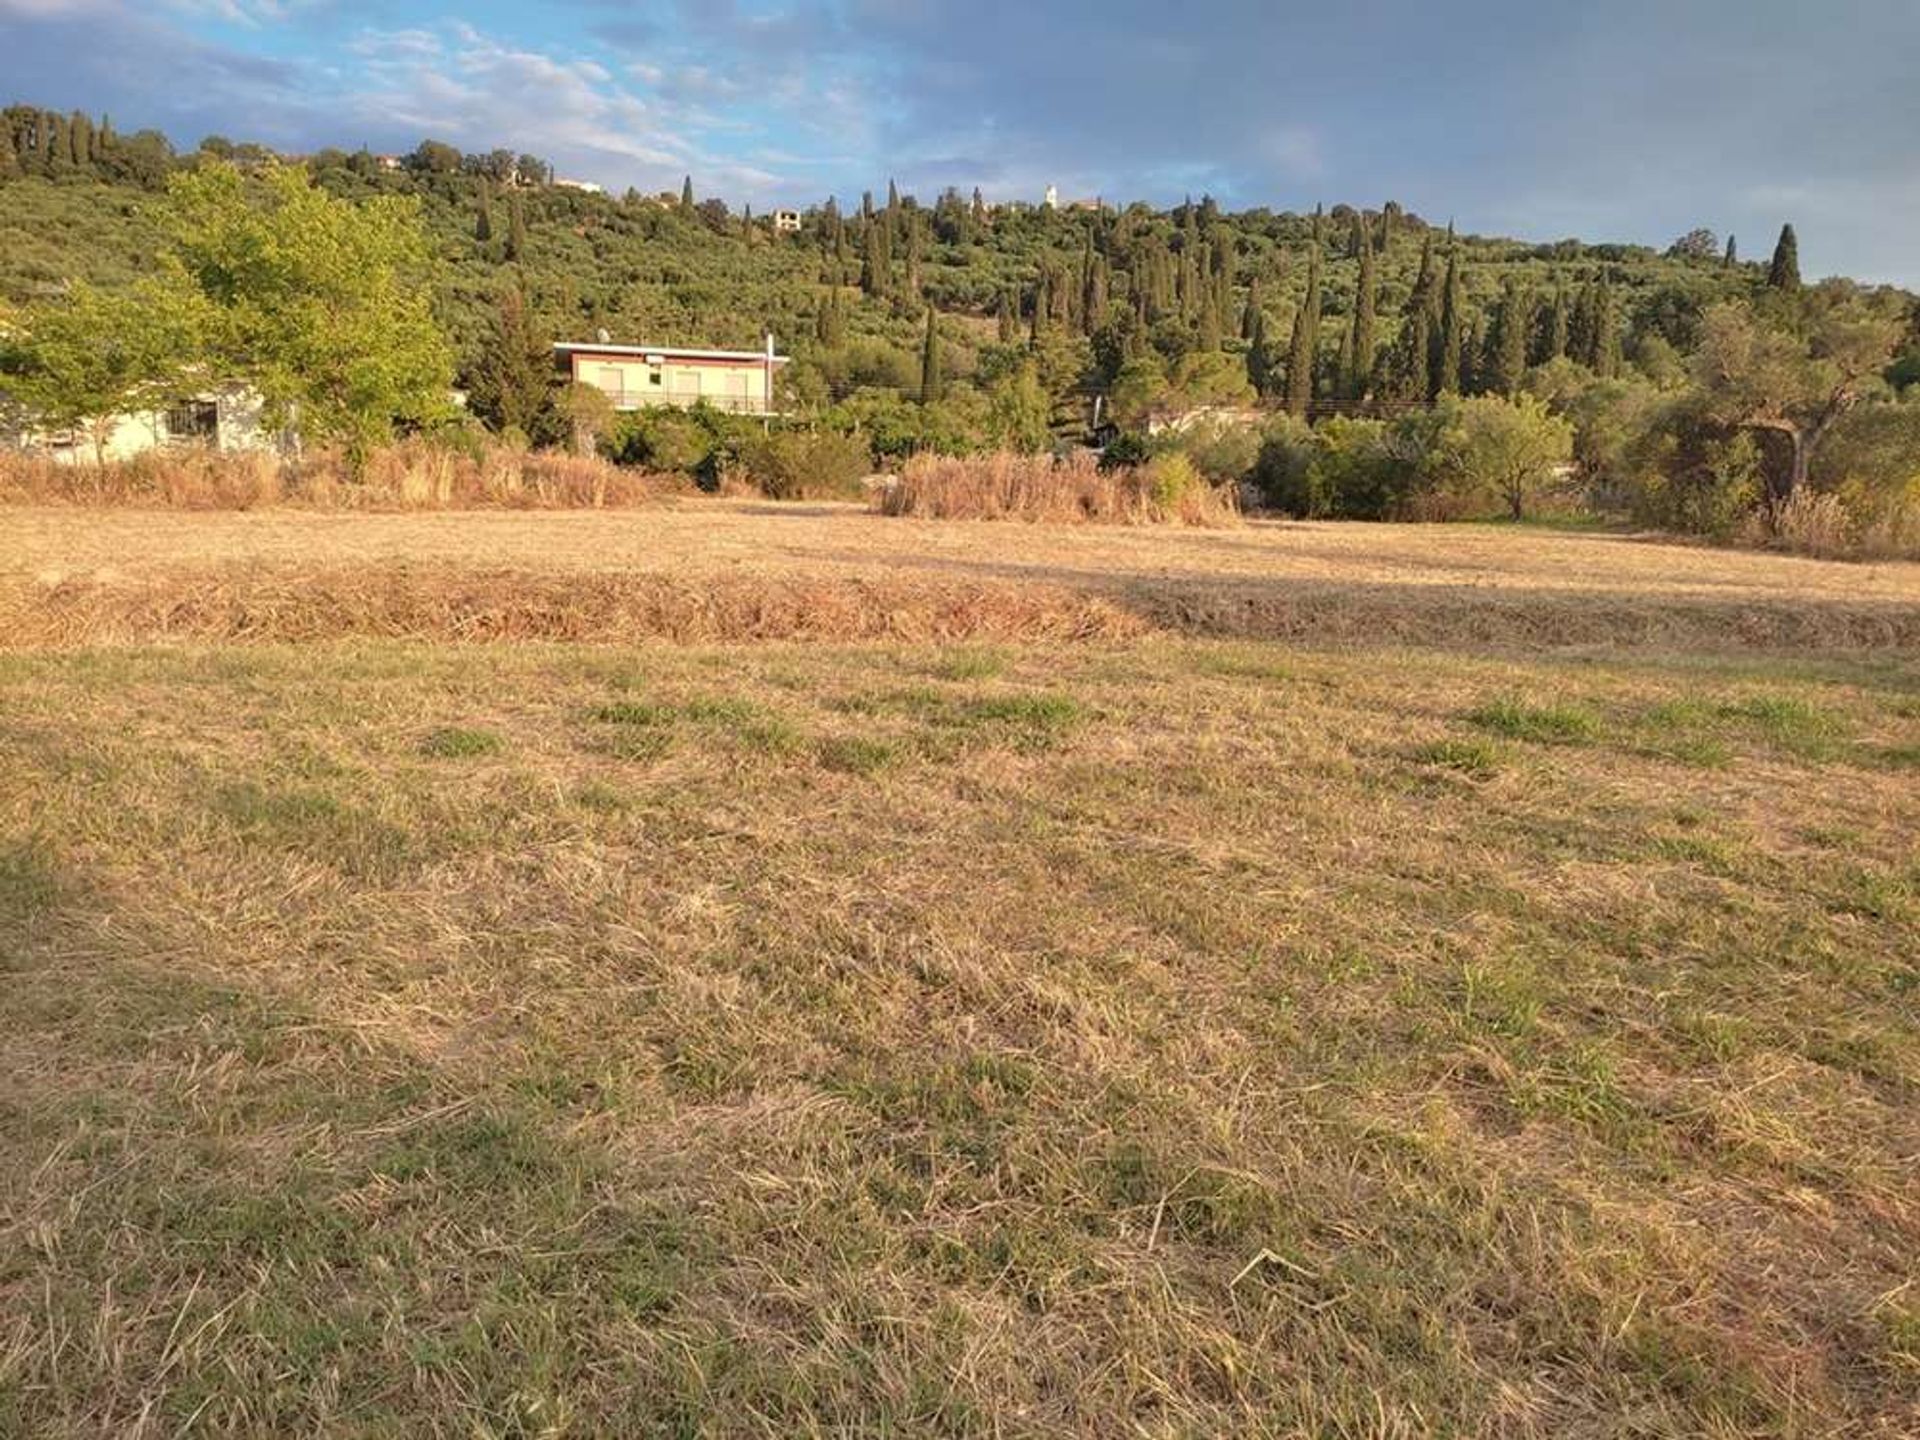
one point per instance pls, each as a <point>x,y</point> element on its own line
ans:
<point>966,322</point>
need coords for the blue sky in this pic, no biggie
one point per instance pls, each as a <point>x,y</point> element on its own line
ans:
<point>1633,120</point>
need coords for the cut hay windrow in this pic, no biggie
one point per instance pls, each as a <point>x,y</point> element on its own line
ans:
<point>489,605</point>
<point>438,602</point>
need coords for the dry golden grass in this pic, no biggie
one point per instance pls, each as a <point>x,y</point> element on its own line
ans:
<point>723,569</point>
<point>1104,1030</point>
<point>410,475</point>
<point>1041,490</point>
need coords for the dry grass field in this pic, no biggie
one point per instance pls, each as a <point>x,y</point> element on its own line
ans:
<point>728,970</point>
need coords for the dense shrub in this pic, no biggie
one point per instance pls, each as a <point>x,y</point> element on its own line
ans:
<point>1075,490</point>
<point>795,465</point>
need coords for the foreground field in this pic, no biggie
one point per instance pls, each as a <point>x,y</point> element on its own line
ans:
<point>1145,1034</point>
<point>711,570</point>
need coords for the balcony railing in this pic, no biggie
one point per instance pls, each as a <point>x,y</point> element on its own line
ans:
<point>642,398</point>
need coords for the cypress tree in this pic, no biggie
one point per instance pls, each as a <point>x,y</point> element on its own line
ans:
<point>930,386</point>
<point>1250,317</point>
<point>1259,363</point>
<point>1453,322</point>
<point>1733,253</point>
<point>876,262</point>
<point>1360,345</point>
<point>516,227</point>
<point>686,195</point>
<point>1210,329</point>
<point>1555,343</point>
<point>1412,367</point>
<point>55,156</point>
<point>1606,332</point>
<point>1784,273</point>
<point>1042,305</point>
<point>1506,363</point>
<point>9,160</point>
<point>893,197</point>
<point>80,140</point>
<point>913,254</point>
<point>1094,301</point>
<point>1008,319</point>
<point>1306,334</point>
<point>830,325</point>
<point>483,213</point>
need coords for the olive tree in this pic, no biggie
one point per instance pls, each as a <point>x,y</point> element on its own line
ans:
<point>1797,374</point>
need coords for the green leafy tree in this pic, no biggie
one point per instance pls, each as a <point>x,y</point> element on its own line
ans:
<point>314,300</point>
<point>1784,272</point>
<point>1508,449</point>
<point>511,384</point>
<point>1018,409</point>
<point>9,155</point>
<point>93,357</point>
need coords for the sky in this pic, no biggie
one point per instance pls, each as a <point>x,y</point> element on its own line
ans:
<point>1635,120</point>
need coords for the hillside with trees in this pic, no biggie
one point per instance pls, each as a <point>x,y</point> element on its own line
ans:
<point>1370,361</point>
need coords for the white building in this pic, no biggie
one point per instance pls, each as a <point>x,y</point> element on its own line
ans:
<point>227,418</point>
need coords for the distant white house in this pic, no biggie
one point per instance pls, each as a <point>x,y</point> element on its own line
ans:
<point>786,222</point>
<point>587,187</point>
<point>226,418</point>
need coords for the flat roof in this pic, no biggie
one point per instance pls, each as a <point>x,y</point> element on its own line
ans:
<point>676,352</point>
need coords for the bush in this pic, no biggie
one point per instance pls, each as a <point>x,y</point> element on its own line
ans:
<point>1282,466</point>
<point>794,465</point>
<point>1006,486</point>
<point>1224,451</point>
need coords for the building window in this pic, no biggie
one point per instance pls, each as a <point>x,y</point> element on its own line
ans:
<point>193,420</point>
<point>654,377</point>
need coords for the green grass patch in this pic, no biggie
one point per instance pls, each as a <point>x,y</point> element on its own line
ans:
<point>1541,724</point>
<point>972,663</point>
<point>856,754</point>
<point>456,743</point>
<point>1478,758</point>
<point>29,883</point>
